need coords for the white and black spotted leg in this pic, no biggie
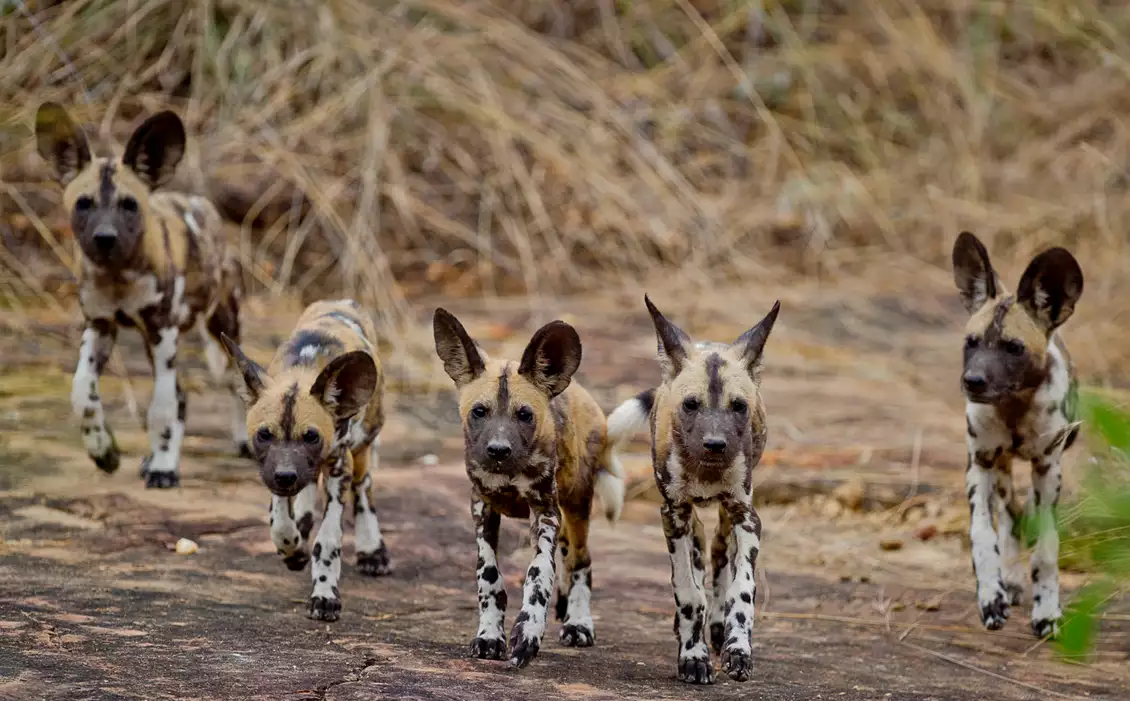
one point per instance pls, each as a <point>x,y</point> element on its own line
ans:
<point>1008,540</point>
<point>372,553</point>
<point>165,419</point>
<point>721,556</point>
<point>980,483</point>
<point>577,629</point>
<point>1047,483</point>
<point>685,543</point>
<point>325,600</point>
<point>97,343</point>
<point>737,650</point>
<point>490,638</point>
<point>525,636</point>
<point>292,518</point>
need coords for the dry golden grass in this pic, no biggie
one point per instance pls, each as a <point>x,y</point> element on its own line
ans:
<point>386,149</point>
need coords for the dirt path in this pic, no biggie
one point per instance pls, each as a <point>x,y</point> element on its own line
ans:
<point>94,604</point>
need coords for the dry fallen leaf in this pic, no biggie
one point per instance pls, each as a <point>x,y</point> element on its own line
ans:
<point>891,544</point>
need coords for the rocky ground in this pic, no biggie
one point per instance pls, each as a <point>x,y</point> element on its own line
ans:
<point>865,589</point>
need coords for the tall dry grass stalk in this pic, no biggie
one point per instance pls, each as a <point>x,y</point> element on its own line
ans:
<point>384,149</point>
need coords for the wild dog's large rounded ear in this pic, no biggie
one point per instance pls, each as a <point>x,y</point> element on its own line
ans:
<point>461,359</point>
<point>61,142</point>
<point>1050,286</point>
<point>346,384</point>
<point>973,273</point>
<point>673,342</point>
<point>751,344</point>
<point>253,378</point>
<point>551,357</point>
<point>156,148</point>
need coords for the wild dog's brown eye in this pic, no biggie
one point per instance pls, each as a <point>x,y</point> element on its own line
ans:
<point>264,435</point>
<point>311,437</point>
<point>84,204</point>
<point>972,341</point>
<point>128,204</point>
<point>524,414</point>
<point>478,411</point>
<point>1012,347</point>
<point>739,405</point>
<point>690,404</point>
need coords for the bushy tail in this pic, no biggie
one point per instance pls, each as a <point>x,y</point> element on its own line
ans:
<point>628,419</point>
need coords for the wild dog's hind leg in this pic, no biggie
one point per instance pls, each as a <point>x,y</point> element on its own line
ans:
<point>746,536</point>
<point>490,641</point>
<point>561,608</point>
<point>325,600</point>
<point>97,343</point>
<point>525,636</point>
<point>980,482</point>
<point>1047,482</point>
<point>291,522</point>
<point>577,630</point>
<point>226,320</point>
<point>372,554</point>
<point>1008,542</point>
<point>167,408</point>
<point>721,555</point>
<point>686,544</point>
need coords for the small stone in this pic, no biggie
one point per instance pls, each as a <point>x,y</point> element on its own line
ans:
<point>931,604</point>
<point>429,460</point>
<point>926,532</point>
<point>850,494</point>
<point>831,509</point>
<point>891,544</point>
<point>186,546</point>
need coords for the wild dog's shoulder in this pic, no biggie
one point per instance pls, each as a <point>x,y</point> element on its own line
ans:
<point>325,331</point>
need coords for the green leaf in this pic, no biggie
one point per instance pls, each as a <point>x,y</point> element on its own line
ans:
<point>1111,423</point>
<point>1080,623</point>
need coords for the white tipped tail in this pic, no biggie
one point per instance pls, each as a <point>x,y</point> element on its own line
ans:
<point>625,421</point>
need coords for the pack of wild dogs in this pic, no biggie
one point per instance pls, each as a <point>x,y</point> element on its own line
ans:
<point>537,445</point>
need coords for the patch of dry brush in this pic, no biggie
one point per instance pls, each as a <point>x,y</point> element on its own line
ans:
<point>388,148</point>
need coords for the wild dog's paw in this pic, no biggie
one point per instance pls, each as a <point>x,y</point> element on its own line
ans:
<point>111,460</point>
<point>996,612</point>
<point>374,564</point>
<point>488,648</point>
<point>145,463</point>
<point>696,670</point>
<point>576,635</point>
<point>324,609</point>
<point>523,650</point>
<point>737,664</point>
<point>161,480</point>
<point>296,561</point>
<point>1046,627</point>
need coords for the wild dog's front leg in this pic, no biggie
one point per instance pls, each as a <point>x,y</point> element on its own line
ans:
<point>1008,541</point>
<point>166,411</point>
<point>577,630</point>
<point>721,555</point>
<point>372,554</point>
<point>525,637</point>
<point>490,640</point>
<point>980,481</point>
<point>325,600</point>
<point>291,522</point>
<point>738,647</point>
<point>686,544</point>
<point>1047,482</point>
<point>226,320</point>
<point>97,343</point>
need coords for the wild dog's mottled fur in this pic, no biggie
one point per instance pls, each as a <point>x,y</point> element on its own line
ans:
<point>157,261</point>
<point>536,447</point>
<point>1020,389</point>
<point>708,432</point>
<point>316,411</point>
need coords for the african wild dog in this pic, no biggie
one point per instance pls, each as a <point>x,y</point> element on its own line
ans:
<point>536,447</point>
<point>1020,396</point>
<point>157,261</point>
<point>316,412</point>
<point>708,432</point>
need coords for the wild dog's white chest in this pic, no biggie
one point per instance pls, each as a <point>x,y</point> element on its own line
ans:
<point>1028,435</point>
<point>684,485</point>
<point>129,295</point>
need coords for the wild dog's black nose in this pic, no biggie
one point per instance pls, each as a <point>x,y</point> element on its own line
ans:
<point>498,450</point>
<point>714,444</point>
<point>286,479</point>
<point>104,240</point>
<point>974,383</point>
